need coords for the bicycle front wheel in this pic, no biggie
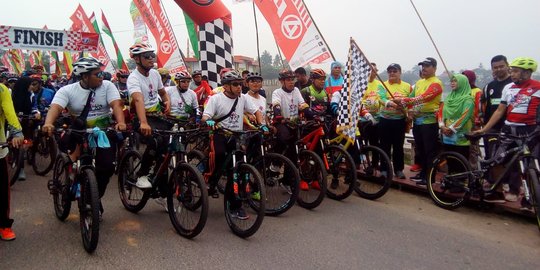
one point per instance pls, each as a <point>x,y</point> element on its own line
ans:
<point>534,183</point>
<point>89,210</point>
<point>244,202</point>
<point>341,172</point>
<point>449,178</point>
<point>313,177</point>
<point>60,187</point>
<point>43,154</point>
<point>373,178</point>
<point>187,201</point>
<point>133,198</point>
<point>15,159</point>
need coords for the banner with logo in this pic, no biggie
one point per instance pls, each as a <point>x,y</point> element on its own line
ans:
<point>295,32</point>
<point>168,53</point>
<point>13,37</point>
<point>139,29</point>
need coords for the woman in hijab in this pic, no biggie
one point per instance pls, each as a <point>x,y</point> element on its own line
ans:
<point>21,96</point>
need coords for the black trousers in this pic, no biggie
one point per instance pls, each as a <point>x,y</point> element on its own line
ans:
<point>392,138</point>
<point>5,221</point>
<point>223,145</point>
<point>426,138</point>
<point>371,136</point>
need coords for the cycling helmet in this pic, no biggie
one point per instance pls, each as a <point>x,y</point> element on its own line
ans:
<point>122,72</point>
<point>525,63</point>
<point>196,72</point>
<point>38,68</point>
<point>317,74</point>
<point>12,77</point>
<point>223,71</point>
<point>182,75</point>
<point>139,48</point>
<point>253,76</point>
<point>4,74</point>
<point>230,76</point>
<point>36,77</point>
<point>85,64</point>
<point>163,71</point>
<point>286,73</point>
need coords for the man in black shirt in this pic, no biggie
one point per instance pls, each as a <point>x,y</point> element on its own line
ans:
<point>302,79</point>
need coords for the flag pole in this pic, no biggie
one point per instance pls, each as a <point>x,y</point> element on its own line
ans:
<point>280,56</point>
<point>317,27</point>
<point>430,37</point>
<point>257,35</point>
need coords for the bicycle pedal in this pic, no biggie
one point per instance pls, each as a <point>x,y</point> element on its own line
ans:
<point>52,187</point>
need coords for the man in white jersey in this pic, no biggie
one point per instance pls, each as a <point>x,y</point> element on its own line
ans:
<point>144,85</point>
<point>184,105</point>
<point>104,97</point>
<point>227,108</point>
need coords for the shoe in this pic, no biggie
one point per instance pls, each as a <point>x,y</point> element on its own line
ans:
<point>496,197</point>
<point>7,234</point>
<point>287,188</point>
<point>415,168</point>
<point>456,190</point>
<point>100,212</point>
<point>526,205</point>
<point>506,187</point>
<point>162,202</point>
<point>416,178</point>
<point>510,197</point>
<point>274,168</point>
<point>400,175</point>
<point>334,184</point>
<point>22,175</point>
<point>422,183</point>
<point>239,214</point>
<point>256,196</point>
<point>212,192</point>
<point>315,185</point>
<point>304,185</point>
<point>143,182</point>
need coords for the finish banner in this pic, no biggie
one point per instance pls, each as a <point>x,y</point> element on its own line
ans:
<point>295,32</point>
<point>168,53</point>
<point>12,37</point>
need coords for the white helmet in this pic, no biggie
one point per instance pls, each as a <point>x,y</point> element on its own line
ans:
<point>85,64</point>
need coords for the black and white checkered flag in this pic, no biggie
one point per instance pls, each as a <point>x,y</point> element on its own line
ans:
<point>354,85</point>
<point>216,49</point>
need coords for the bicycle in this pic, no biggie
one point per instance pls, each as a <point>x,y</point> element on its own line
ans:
<point>374,169</point>
<point>77,181</point>
<point>42,148</point>
<point>452,181</point>
<point>187,197</point>
<point>242,178</point>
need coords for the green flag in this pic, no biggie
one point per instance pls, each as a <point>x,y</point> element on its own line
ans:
<point>120,63</point>
<point>192,33</point>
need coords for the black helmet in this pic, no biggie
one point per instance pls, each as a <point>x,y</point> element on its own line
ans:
<point>230,76</point>
<point>287,73</point>
<point>253,76</point>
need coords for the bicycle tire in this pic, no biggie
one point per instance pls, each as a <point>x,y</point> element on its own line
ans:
<point>535,193</point>
<point>282,185</point>
<point>311,169</point>
<point>133,198</point>
<point>451,190</point>
<point>15,160</point>
<point>341,171</point>
<point>45,147</point>
<point>197,159</point>
<point>371,183</point>
<point>250,202</point>
<point>89,209</point>
<point>61,187</point>
<point>189,191</point>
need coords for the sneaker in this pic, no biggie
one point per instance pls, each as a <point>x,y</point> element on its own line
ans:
<point>239,214</point>
<point>100,212</point>
<point>287,188</point>
<point>334,184</point>
<point>22,175</point>
<point>400,175</point>
<point>422,183</point>
<point>496,197</point>
<point>162,202</point>
<point>7,234</point>
<point>315,185</point>
<point>510,197</point>
<point>415,168</point>
<point>526,205</point>
<point>304,185</point>
<point>212,192</point>
<point>143,182</point>
<point>256,196</point>
<point>416,178</point>
<point>506,187</point>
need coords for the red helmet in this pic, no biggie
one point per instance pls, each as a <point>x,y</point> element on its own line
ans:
<point>36,77</point>
<point>317,73</point>
<point>182,75</point>
<point>122,72</point>
<point>139,48</point>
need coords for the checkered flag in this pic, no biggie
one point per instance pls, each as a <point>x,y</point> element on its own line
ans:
<point>354,85</point>
<point>215,46</point>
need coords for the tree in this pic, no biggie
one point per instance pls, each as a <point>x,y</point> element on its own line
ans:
<point>266,59</point>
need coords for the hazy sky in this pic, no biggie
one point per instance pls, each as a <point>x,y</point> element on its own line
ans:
<point>467,32</point>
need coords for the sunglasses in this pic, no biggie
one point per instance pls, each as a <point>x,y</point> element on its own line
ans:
<point>148,55</point>
<point>124,76</point>
<point>100,74</point>
<point>34,83</point>
<point>184,81</point>
<point>290,79</point>
<point>236,84</point>
<point>255,81</point>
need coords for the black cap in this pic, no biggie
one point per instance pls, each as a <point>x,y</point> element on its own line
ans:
<point>394,66</point>
<point>428,61</point>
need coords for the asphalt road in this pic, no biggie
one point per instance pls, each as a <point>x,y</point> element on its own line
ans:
<point>399,231</point>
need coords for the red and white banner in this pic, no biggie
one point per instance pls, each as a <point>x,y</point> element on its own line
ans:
<point>82,22</point>
<point>203,11</point>
<point>13,37</point>
<point>295,32</point>
<point>168,53</point>
<point>7,63</point>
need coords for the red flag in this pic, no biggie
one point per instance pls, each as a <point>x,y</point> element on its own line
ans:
<point>201,11</point>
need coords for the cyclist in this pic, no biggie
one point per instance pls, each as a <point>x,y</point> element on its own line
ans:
<point>11,79</point>
<point>184,105</point>
<point>75,97</point>
<point>144,86</point>
<point>41,97</point>
<point>227,108</point>
<point>315,94</point>
<point>201,88</point>
<point>520,103</point>
<point>165,77</point>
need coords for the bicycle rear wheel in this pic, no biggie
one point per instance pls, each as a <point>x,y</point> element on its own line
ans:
<point>187,201</point>
<point>341,172</point>
<point>43,154</point>
<point>535,193</point>
<point>373,179</point>
<point>313,173</point>
<point>15,159</point>
<point>250,197</point>
<point>133,198</point>
<point>89,210</point>
<point>449,179</point>
<point>60,187</point>
<point>281,182</point>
